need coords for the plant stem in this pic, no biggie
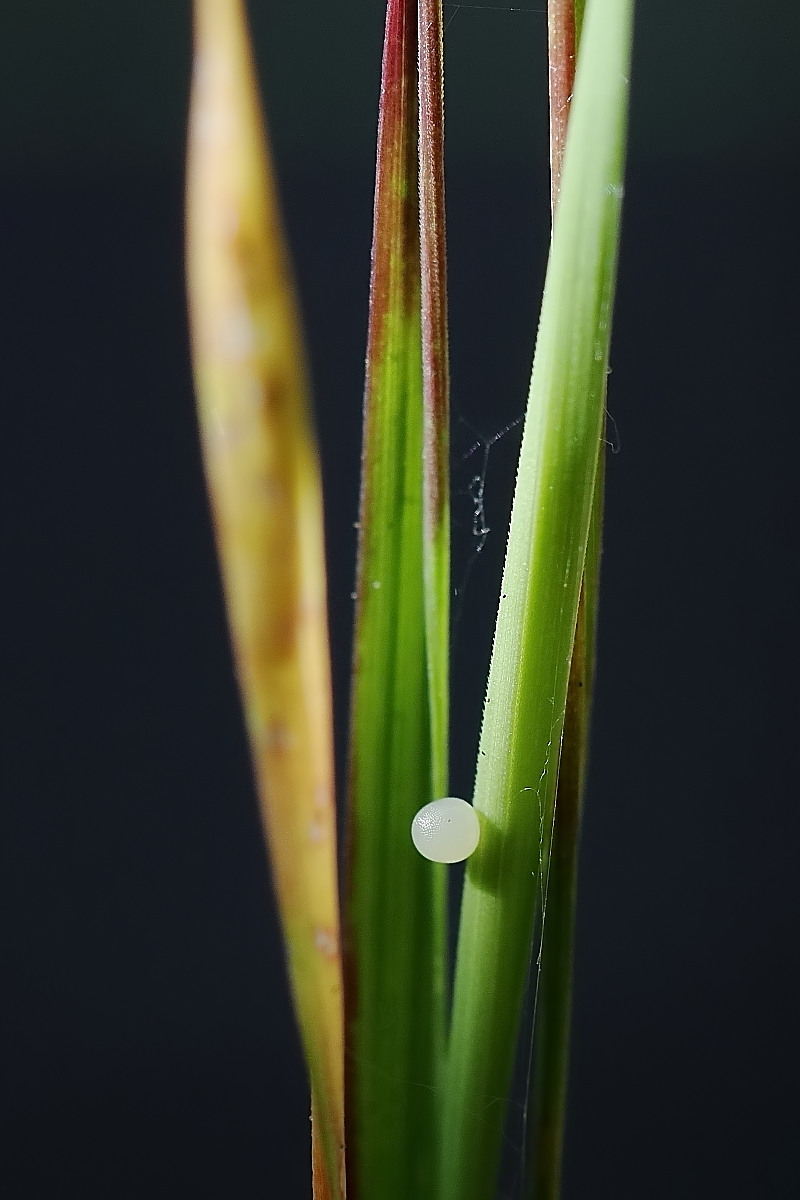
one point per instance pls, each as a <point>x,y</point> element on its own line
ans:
<point>561,50</point>
<point>554,992</point>
<point>528,680</point>
<point>554,996</point>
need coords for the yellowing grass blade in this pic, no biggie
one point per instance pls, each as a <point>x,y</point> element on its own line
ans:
<point>264,485</point>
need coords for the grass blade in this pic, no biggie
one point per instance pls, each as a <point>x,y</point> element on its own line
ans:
<point>554,990</point>
<point>264,485</point>
<point>554,998</point>
<point>527,690</point>
<point>320,1177</point>
<point>435,375</point>
<point>396,900</point>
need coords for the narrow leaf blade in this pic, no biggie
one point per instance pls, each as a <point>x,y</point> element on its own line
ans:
<point>554,987</point>
<point>436,380</point>
<point>395,912</point>
<point>264,486</point>
<point>554,993</point>
<point>527,691</point>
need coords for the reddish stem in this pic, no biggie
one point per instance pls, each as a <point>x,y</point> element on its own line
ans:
<point>435,373</point>
<point>561,61</point>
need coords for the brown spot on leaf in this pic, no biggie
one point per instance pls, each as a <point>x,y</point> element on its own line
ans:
<point>277,736</point>
<point>326,942</point>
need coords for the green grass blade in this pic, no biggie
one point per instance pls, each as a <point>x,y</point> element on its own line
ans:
<point>580,8</point>
<point>554,995</point>
<point>527,690</point>
<point>395,912</point>
<point>548,1094</point>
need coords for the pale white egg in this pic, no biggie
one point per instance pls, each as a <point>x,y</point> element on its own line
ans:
<point>446,830</point>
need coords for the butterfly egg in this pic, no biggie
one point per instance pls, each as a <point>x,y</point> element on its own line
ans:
<point>446,830</point>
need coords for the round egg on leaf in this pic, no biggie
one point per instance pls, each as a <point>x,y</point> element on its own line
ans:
<point>446,830</point>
